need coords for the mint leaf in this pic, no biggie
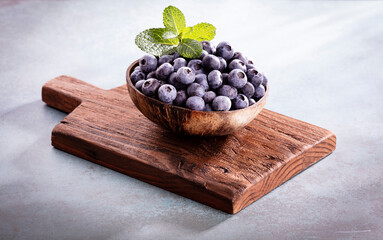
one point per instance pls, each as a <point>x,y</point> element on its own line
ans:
<point>169,51</point>
<point>174,20</point>
<point>161,35</point>
<point>200,32</point>
<point>169,35</point>
<point>189,48</point>
<point>152,41</point>
<point>185,31</point>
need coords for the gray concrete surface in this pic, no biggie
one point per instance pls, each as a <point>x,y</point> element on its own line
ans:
<point>324,62</point>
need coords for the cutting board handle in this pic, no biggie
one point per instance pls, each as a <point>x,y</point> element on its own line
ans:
<point>66,93</point>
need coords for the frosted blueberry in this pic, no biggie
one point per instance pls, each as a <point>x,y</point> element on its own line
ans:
<point>237,64</point>
<point>148,63</point>
<point>178,63</point>
<point>241,101</point>
<point>237,78</point>
<point>185,75</point>
<point>221,103</point>
<point>138,84</point>
<point>251,101</point>
<point>248,90</point>
<point>202,79</point>
<point>196,66</point>
<point>224,50</point>
<point>164,71</point>
<point>167,93</point>
<point>210,62</point>
<point>150,87</point>
<point>195,89</point>
<point>208,47</point>
<point>228,91</point>
<point>136,76</point>
<point>151,75</point>
<point>222,64</point>
<point>259,92</point>
<point>165,59</point>
<point>264,82</point>
<point>214,79</point>
<point>240,56</point>
<point>209,96</point>
<point>180,98</point>
<point>208,107</point>
<point>195,103</point>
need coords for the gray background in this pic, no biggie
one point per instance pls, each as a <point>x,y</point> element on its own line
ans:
<point>324,62</point>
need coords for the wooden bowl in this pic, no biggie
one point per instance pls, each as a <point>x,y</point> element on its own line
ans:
<point>191,122</point>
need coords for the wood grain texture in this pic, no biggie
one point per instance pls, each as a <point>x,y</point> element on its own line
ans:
<point>189,122</point>
<point>227,172</point>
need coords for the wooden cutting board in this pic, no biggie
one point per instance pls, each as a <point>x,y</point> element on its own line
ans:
<point>227,173</point>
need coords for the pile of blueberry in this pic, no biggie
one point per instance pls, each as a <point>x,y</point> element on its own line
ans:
<point>221,80</point>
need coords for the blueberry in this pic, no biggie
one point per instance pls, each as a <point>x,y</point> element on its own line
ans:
<point>150,87</point>
<point>250,73</point>
<point>172,78</point>
<point>196,66</point>
<point>208,47</point>
<point>164,71</point>
<point>165,59</point>
<point>185,75</point>
<point>139,83</point>
<point>180,98</point>
<point>210,62</point>
<point>180,86</point>
<point>237,78</point>
<point>228,91</point>
<point>237,64</point>
<point>225,77</point>
<point>178,63</point>
<point>208,107</point>
<point>214,79</point>
<point>202,79</point>
<point>254,77</point>
<point>195,89</point>
<point>224,50</point>
<point>151,75</point>
<point>136,76</point>
<point>264,82</point>
<point>259,92</point>
<point>240,56</point>
<point>137,68</point>
<point>176,55</point>
<point>222,64</point>
<point>256,80</point>
<point>204,53</point>
<point>240,102</point>
<point>248,90</point>
<point>221,103</point>
<point>251,101</point>
<point>249,66</point>
<point>209,96</point>
<point>195,103</point>
<point>148,63</point>
<point>167,93</point>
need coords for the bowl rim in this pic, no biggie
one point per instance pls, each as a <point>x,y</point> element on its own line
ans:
<point>129,81</point>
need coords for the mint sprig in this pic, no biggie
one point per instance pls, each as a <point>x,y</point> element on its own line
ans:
<point>175,37</point>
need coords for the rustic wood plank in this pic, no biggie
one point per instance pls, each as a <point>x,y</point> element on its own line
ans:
<point>227,173</point>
